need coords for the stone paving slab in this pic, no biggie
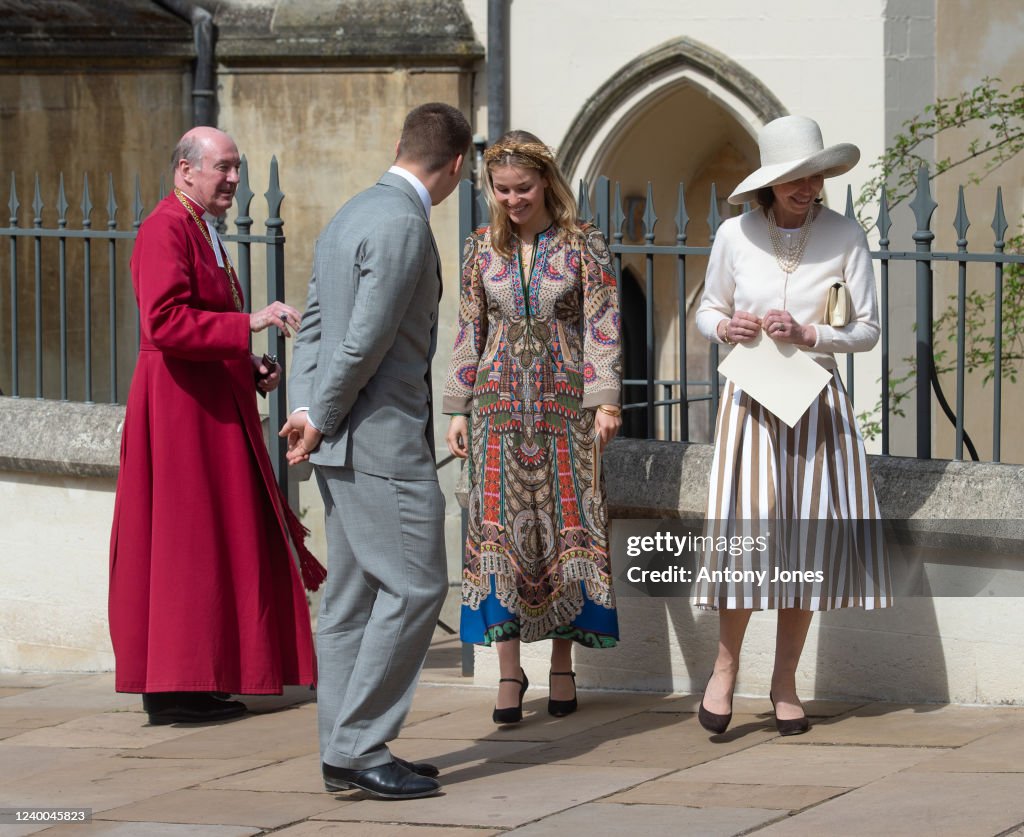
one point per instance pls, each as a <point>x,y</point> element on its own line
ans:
<point>23,763</point>
<point>671,790</point>
<point>494,795</point>
<point>110,730</point>
<point>23,718</point>
<point>596,709</point>
<point>314,828</point>
<point>907,725</point>
<point>299,775</point>
<point>98,828</point>
<point>909,805</point>
<point>37,680</point>
<point>80,693</point>
<point>225,807</point>
<point>758,706</point>
<point>1000,752</point>
<point>838,766</point>
<point>603,819</point>
<point>102,779</point>
<point>274,737</point>
<point>455,753</point>
<point>4,692</point>
<point>655,739</point>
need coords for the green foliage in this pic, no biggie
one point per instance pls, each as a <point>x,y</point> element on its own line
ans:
<point>998,118</point>
<point>997,115</point>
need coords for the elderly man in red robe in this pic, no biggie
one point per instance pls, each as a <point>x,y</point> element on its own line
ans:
<point>205,593</point>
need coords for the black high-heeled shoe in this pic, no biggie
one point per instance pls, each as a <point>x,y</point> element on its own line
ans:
<point>790,726</point>
<point>711,721</point>
<point>561,708</point>
<point>511,714</point>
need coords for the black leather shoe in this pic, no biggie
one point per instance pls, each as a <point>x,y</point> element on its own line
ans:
<point>420,768</point>
<point>561,708</point>
<point>790,726</point>
<point>189,708</point>
<point>711,721</point>
<point>511,714</point>
<point>388,781</point>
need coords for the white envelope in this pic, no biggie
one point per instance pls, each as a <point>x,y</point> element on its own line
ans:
<point>777,375</point>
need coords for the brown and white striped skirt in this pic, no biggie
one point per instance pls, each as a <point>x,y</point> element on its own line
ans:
<point>792,518</point>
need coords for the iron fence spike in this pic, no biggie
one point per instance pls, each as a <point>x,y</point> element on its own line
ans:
<point>618,216</point>
<point>274,195</point>
<point>37,205</point>
<point>650,218</point>
<point>111,203</point>
<point>586,211</point>
<point>602,202</point>
<point>884,223</point>
<point>137,208</point>
<point>13,204</point>
<point>923,204</point>
<point>682,218</point>
<point>86,203</point>
<point>243,194</point>
<point>62,203</point>
<point>714,219</point>
<point>999,224</point>
<point>961,222</point>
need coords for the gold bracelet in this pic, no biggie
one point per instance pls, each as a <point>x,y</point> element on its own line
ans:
<point>725,334</point>
<point>614,411</point>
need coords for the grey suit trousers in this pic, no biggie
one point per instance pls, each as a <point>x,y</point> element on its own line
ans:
<point>386,582</point>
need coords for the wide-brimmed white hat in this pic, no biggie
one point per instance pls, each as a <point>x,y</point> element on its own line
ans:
<point>792,148</point>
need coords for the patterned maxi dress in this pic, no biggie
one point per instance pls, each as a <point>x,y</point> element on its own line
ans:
<point>534,355</point>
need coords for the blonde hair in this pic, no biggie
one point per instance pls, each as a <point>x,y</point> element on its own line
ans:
<point>523,150</point>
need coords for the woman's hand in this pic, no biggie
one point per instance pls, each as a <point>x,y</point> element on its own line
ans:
<point>781,327</point>
<point>606,425</point>
<point>457,437</point>
<point>276,314</point>
<point>742,327</point>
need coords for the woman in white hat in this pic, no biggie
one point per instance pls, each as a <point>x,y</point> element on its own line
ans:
<point>804,490</point>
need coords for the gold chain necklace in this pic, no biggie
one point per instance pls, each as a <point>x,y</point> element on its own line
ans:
<point>235,295</point>
<point>789,257</point>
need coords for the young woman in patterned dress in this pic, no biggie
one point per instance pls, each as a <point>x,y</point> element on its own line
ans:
<point>533,391</point>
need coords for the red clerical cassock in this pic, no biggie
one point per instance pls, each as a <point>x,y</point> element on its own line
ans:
<point>205,594</point>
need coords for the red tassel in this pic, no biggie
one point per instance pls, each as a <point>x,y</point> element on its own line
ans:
<point>312,571</point>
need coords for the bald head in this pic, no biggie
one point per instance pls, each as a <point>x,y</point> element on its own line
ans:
<point>206,165</point>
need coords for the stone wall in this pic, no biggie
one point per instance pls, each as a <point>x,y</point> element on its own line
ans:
<point>58,465</point>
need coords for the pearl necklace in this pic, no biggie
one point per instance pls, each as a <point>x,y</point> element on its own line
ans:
<point>788,256</point>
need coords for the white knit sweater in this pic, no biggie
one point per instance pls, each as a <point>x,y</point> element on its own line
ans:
<point>743,275</point>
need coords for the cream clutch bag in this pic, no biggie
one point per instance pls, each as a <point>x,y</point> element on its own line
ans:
<point>838,305</point>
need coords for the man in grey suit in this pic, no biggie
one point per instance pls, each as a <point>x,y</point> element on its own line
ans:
<point>360,388</point>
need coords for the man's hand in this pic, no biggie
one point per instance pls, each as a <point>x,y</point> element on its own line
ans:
<point>267,378</point>
<point>276,314</point>
<point>302,437</point>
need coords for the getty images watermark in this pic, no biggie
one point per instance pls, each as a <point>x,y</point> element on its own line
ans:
<point>685,549</point>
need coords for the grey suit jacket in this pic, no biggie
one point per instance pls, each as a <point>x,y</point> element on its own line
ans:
<point>361,361</point>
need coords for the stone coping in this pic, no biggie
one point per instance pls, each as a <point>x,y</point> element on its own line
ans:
<point>425,32</point>
<point>60,437</point>
<point>646,479</point>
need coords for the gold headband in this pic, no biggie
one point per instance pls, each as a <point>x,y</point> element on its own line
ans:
<point>532,151</point>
